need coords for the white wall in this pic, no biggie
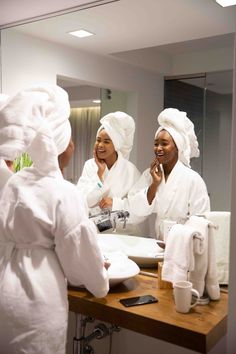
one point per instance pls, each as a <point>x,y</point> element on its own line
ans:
<point>26,60</point>
<point>203,61</point>
<point>186,62</point>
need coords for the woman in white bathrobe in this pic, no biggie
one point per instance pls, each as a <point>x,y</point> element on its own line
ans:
<point>45,235</point>
<point>107,178</point>
<point>170,188</point>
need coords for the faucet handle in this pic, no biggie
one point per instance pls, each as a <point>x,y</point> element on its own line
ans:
<point>122,214</point>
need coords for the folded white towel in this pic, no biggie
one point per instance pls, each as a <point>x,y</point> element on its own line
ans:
<point>181,244</point>
<point>211,279</point>
<point>222,221</point>
<point>204,275</point>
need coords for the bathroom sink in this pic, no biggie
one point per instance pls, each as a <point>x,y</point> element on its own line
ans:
<point>121,267</point>
<point>143,251</point>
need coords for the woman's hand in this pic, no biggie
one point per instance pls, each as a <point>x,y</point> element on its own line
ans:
<point>157,174</point>
<point>106,203</point>
<point>100,164</point>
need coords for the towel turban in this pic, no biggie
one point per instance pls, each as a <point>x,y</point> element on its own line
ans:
<point>35,120</point>
<point>180,127</point>
<point>120,127</point>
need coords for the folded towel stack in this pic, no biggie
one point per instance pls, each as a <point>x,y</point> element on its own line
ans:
<point>190,255</point>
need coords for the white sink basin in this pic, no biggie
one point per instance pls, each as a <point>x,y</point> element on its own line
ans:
<point>121,267</point>
<point>143,251</point>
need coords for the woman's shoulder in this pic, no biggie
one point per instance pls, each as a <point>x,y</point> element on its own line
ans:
<point>89,167</point>
<point>132,170</point>
<point>192,174</point>
<point>89,163</point>
<point>131,165</point>
<point>66,193</point>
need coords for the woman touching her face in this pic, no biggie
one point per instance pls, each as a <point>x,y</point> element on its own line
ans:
<point>105,154</point>
<point>170,188</point>
<point>166,156</point>
<point>107,178</point>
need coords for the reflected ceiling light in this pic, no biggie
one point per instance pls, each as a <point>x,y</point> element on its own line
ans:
<point>81,33</point>
<point>96,101</point>
<point>225,3</point>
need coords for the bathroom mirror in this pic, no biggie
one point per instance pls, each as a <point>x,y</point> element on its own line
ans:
<point>44,51</point>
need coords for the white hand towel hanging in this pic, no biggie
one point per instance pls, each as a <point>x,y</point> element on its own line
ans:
<point>182,243</point>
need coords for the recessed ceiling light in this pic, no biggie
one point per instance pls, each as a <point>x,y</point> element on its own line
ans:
<point>81,33</point>
<point>225,3</point>
<point>96,101</point>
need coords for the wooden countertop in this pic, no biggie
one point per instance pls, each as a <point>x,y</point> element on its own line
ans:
<point>198,330</point>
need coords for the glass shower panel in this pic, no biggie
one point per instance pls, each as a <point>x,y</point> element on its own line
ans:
<point>188,94</point>
<point>217,137</point>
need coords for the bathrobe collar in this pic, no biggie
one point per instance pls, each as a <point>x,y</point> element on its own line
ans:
<point>168,188</point>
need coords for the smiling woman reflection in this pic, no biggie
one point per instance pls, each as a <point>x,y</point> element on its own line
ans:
<point>170,188</point>
<point>107,178</point>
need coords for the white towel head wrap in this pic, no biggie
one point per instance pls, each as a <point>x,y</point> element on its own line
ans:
<point>180,127</point>
<point>120,127</point>
<point>35,120</point>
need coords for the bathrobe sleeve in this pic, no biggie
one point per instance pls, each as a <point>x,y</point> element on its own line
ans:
<point>123,181</point>
<point>117,183</point>
<point>90,185</point>
<point>137,196</point>
<point>199,202</point>
<point>77,247</point>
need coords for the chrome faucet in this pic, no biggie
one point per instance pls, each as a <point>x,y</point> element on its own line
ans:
<point>104,220</point>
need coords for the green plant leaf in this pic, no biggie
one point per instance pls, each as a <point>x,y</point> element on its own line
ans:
<point>22,161</point>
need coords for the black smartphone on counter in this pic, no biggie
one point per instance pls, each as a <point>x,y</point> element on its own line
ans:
<point>138,300</point>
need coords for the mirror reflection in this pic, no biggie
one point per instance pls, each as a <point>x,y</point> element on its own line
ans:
<point>43,51</point>
<point>189,68</point>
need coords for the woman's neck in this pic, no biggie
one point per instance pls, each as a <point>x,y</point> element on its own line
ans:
<point>168,168</point>
<point>111,160</point>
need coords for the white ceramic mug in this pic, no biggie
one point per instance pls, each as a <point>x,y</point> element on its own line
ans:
<point>183,291</point>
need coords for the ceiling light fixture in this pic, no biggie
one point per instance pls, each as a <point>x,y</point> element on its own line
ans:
<point>96,101</point>
<point>225,3</point>
<point>81,33</point>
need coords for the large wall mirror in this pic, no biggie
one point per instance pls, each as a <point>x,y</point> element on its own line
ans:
<point>135,75</point>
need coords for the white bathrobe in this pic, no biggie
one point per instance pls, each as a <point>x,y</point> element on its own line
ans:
<point>45,237</point>
<point>184,194</point>
<point>117,183</point>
